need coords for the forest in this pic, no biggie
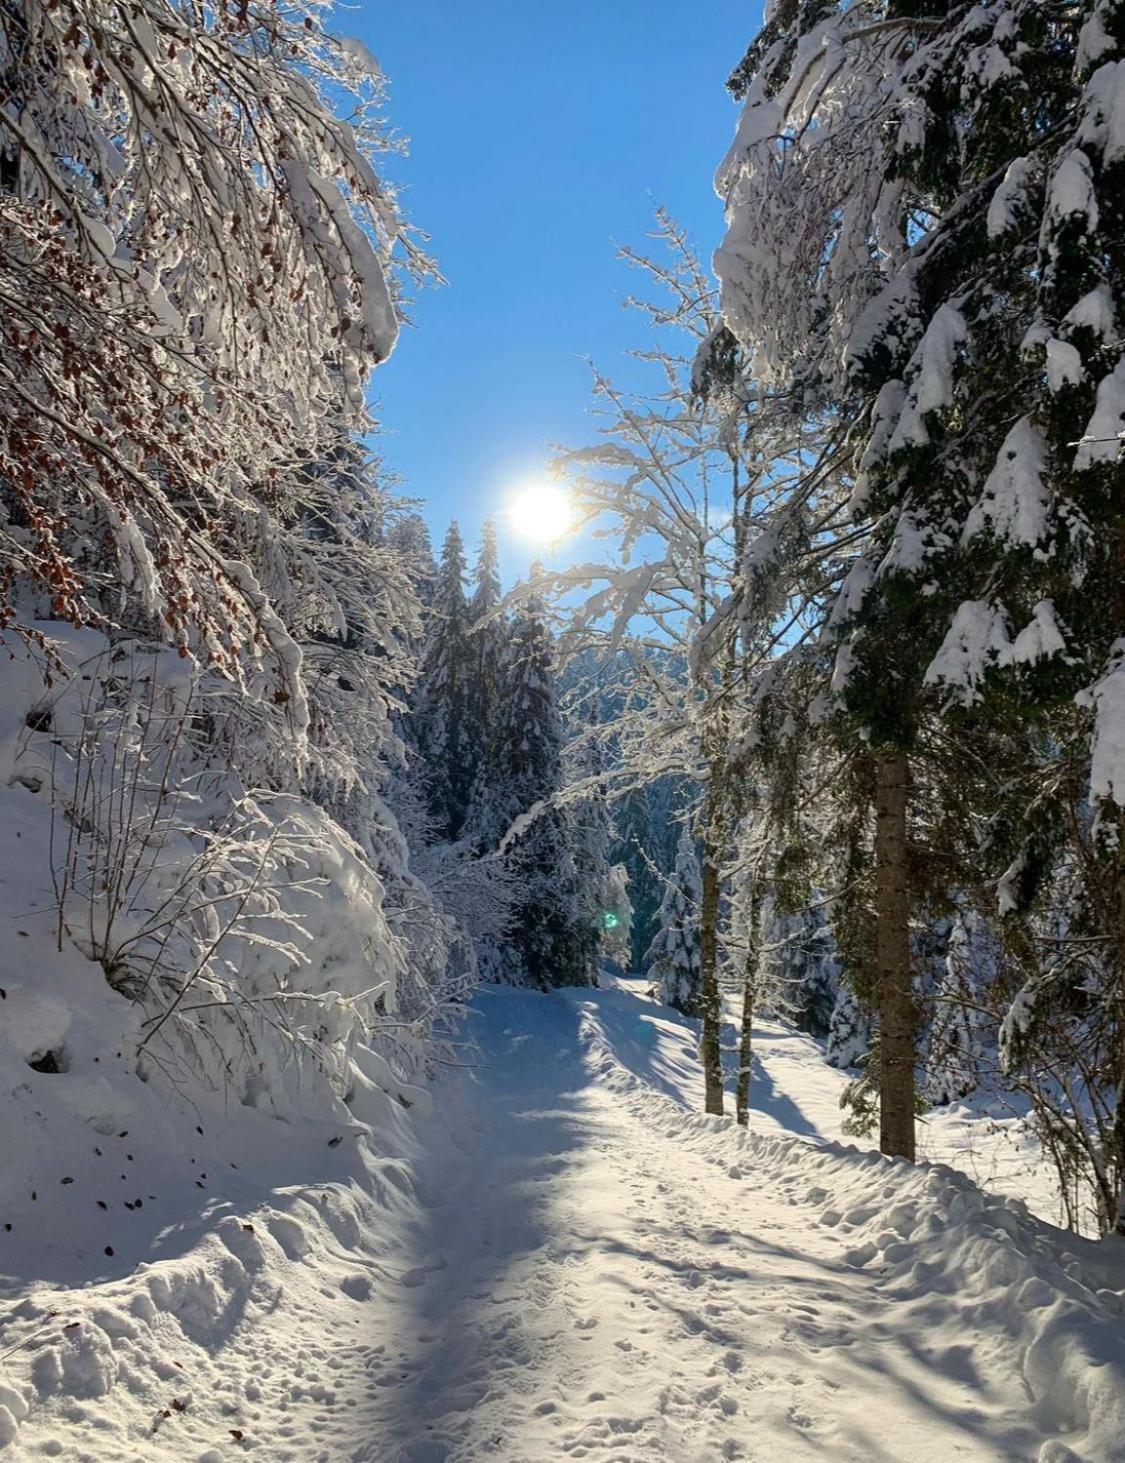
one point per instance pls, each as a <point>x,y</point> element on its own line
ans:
<point>669,1003</point>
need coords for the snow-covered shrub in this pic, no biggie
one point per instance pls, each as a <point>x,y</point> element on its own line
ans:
<point>258,939</point>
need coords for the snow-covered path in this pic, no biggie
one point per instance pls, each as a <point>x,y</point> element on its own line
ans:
<point>594,1284</point>
<point>568,1261</point>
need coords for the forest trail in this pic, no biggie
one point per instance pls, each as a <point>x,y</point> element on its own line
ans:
<point>566,1259</point>
<point>602,1274</point>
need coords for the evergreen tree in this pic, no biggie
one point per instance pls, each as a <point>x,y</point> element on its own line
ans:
<point>646,819</point>
<point>601,893</point>
<point>925,236</point>
<point>800,968</point>
<point>441,722</point>
<point>409,537</point>
<point>849,1030</point>
<point>673,958</point>
<point>550,941</point>
<point>487,634</point>
<point>959,1033</point>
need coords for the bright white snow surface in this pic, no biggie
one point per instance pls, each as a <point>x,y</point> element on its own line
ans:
<point>567,1261</point>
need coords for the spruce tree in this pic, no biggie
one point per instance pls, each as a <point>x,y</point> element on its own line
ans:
<point>602,899</point>
<point>511,807</point>
<point>925,237</point>
<point>673,958</point>
<point>441,724</point>
<point>409,537</point>
<point>487,633</point>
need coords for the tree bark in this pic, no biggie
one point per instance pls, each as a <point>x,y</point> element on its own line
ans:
<point>1117,1220</point>
<point>745,1053</point>
<point>710,1049</point>
<point>897,1011</point>
<point>749,991</point>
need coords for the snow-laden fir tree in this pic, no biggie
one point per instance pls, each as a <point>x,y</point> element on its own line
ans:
<point>962,1035</point>
<point>602,898</point>
<point>672,960</point>
<point>409,538</point>
<point>849,1030</point>
<point>923,224</point>
<point>513,808</point>
<point>800,966</point>
<point>441,726</point>
<point>646,818</point>
<point>616,941</point>
<point>487,633</point>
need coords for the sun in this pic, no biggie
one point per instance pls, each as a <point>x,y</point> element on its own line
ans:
<point>541,512</point>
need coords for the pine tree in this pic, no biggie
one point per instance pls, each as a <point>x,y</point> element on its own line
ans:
<point>602,899</point>
<point>441,722</point>
<point>924,236</point>
<point>487,635</point>
<point>409,537</point>
<point>511,807</point>
<point>673,958</point>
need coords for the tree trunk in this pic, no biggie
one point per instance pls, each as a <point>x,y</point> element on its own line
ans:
<point>1117,1220</point>
<point>710,1050</point>
<point>745,1052</point>
<point>749,991</point>
<point>897,1013</point>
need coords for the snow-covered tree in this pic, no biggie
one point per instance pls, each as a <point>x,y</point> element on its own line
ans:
<point>409,537</point>
<point>673,958</point>
<point>514,808</point>
<point>962,1030</point>
<point>160,375</point>
<point>197,260</point>
<point>921,224</point>
<point>849,1030</point>
<point>616,943</point>
<point>441,722</point>
<point>487,633</point>
<point>602,898</point>
<point>801,969</point>
<point>676,490</point>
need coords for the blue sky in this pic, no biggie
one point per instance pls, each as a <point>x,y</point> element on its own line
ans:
<point>542,135</point>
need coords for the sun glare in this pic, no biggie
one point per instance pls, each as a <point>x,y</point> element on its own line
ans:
<point>541,512</point>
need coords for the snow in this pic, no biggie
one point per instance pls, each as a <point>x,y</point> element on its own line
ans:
<point>1015,500</point>
<point>1095,312</point>
<point>1064,365</point>
<point>1103,124</point>
<point>1102,440</point>
<point>1039,638</point>
<point>976,640</point>
<point>931,377</point>
<point>1107,770</point>
<point>1071,193</point>
<point>1010,198</point>
<point>566,1259</point>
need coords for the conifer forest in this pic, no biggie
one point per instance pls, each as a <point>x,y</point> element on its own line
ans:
<point>624,964</point>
